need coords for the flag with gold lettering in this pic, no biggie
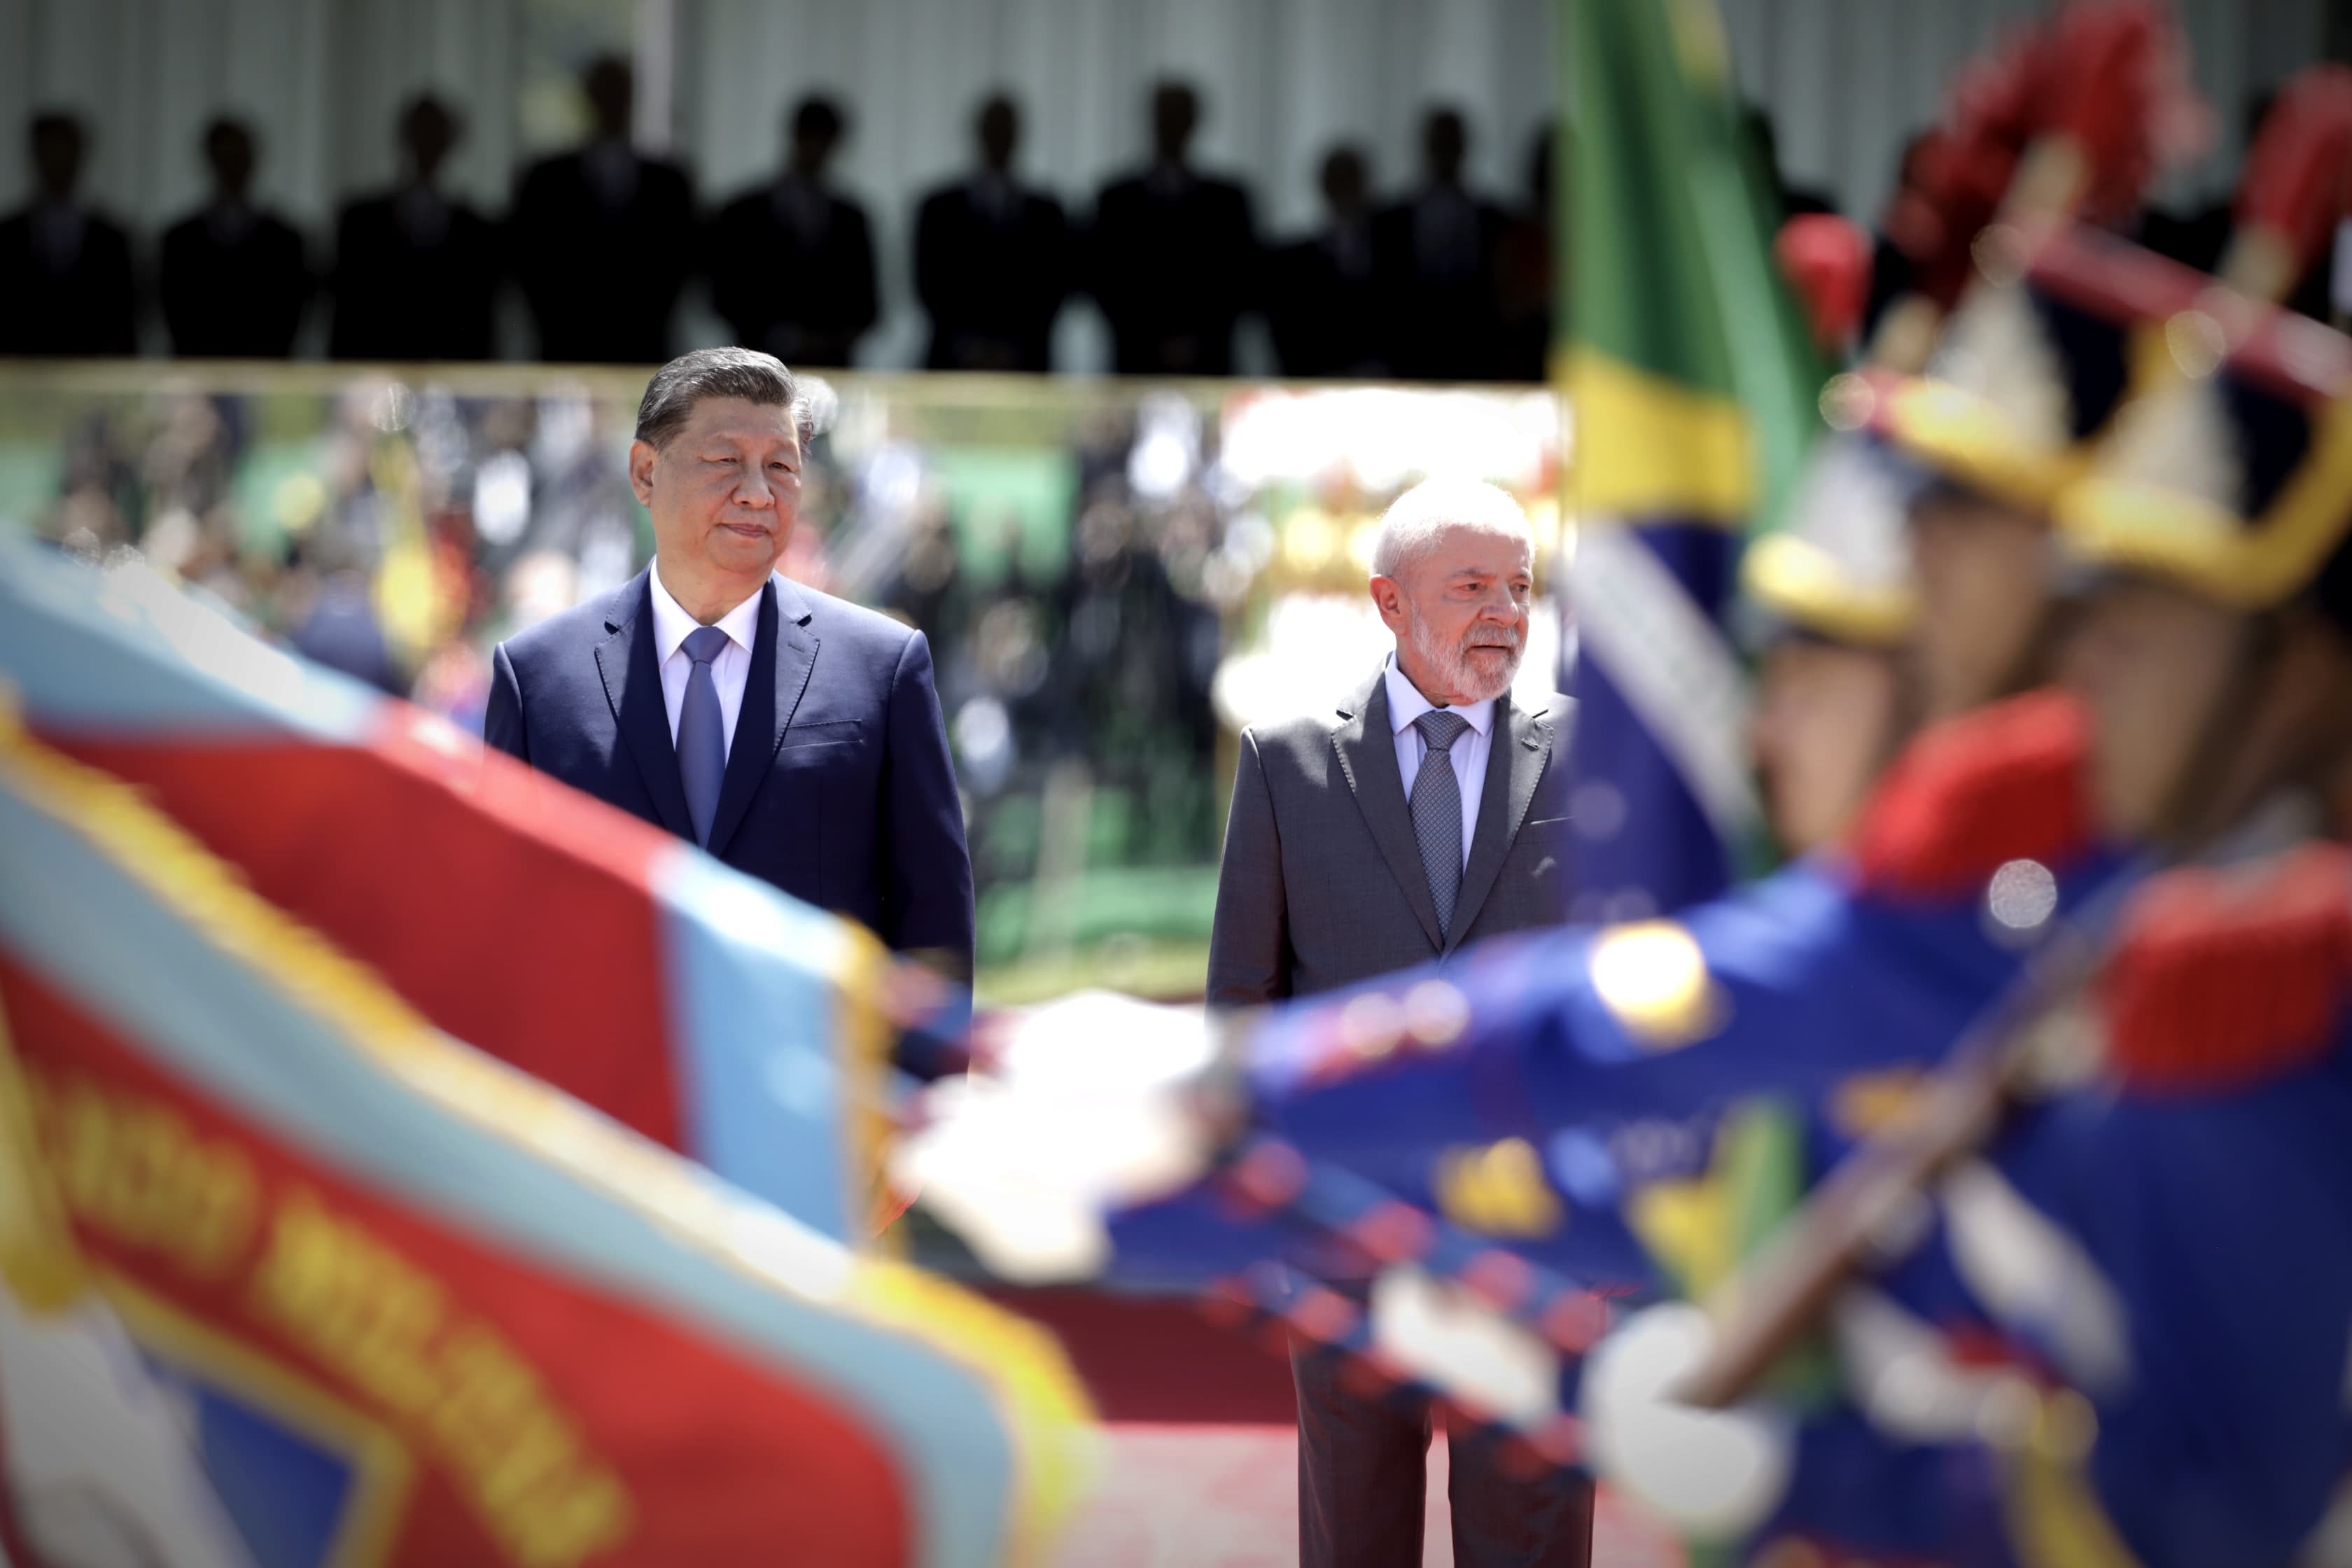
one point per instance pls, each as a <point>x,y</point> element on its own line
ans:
<point>622,965</point>
<point>290,1277</point>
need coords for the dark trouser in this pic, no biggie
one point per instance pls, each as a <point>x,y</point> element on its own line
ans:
<point>1362,1475</point>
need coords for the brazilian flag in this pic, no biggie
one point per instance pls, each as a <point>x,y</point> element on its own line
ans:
<point>1692,383</point>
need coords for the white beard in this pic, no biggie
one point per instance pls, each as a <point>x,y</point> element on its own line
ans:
<point>1451,666</point>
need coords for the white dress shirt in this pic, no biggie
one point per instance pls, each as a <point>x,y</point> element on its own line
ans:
<point>1468,754</point>
<point>729,672</point>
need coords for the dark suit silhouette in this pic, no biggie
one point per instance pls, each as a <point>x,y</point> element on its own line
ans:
<point>603,240</point>
<point>342,632</point>
<point>1322,299</point>
<point>234,282</point>
<point>1173,263</point>
<point>1438,257</point>
<point>65,284</point>
<point>234,286</point>
<point>992,264</point>
<point>231,276</point>
<point>416,275</point>
<point>837,789</point>
<point>791,270</point>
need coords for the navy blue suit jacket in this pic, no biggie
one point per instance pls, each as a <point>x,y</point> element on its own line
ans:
<point>838,789</point>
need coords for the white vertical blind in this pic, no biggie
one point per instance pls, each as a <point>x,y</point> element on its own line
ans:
<point>321,80</point>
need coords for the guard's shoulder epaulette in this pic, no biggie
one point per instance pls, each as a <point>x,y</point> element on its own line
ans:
<point>2222,978</point>
<point>1966,796</point>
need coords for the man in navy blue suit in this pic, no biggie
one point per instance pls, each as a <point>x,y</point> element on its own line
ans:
<point>792,735</point>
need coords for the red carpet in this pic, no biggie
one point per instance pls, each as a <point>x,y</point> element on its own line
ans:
<point>1156,1359</point>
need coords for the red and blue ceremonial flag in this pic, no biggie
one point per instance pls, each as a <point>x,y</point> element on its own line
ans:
<point>693,1004</point>
<point>392,1300</point>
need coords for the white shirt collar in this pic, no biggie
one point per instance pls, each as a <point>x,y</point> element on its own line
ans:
<point>1406,703</point>
<point>671,623</point>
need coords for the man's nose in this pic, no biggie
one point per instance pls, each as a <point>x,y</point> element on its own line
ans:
<point>755,492</point>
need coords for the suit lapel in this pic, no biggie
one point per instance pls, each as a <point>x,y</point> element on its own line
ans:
<point>631,667</point>
<point>1367,751</point>
<point>783,654</point>
<point>1515,762</point>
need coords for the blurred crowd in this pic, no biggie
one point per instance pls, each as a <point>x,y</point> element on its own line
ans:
<point>1439,281</point>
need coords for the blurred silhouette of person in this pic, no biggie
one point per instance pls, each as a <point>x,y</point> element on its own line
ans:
<point>992,258</point>
<point>65,270</point>
<point>1173,253</point>
<point>1893,273</point>
<point>339,626</point>
<point>231,276</point>
<point>1436,255</point>
<point>1795,201</point>
<point>1319,291</point>
<point>2199,236</point>
<point>792,261</point>
<point>1526,272</point>
<point>416,271</point>
<point>602,239</point>
<point>1827,716</point>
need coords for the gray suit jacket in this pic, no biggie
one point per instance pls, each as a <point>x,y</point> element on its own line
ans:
<point>1322,883</point>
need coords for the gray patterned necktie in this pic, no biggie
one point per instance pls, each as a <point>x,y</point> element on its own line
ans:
<point>702,732</point>
<point>1437,811</point>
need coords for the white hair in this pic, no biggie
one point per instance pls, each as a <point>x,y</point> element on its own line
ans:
<point>1412,526</point>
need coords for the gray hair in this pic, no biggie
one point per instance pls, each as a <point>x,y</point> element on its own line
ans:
<point>747,373</point>
<point>1410,528</point>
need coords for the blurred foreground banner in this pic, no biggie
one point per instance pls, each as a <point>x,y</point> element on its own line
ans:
<point>620,965</point>
<point>290,1276</point>
<point>1693,382</point>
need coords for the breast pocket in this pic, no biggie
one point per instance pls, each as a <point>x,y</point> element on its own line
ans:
<point>1535,868</point>
<point>821,793</point>
<point>823,733</point>
<point>818,767</point>
<point>1546,834</point>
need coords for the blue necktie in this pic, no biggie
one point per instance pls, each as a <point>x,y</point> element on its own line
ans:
<point>1437,811</point>
<point>702,732</point>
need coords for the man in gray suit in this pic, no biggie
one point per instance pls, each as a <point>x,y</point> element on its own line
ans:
<point>1425,814</point>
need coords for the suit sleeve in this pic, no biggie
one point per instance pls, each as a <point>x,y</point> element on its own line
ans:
<point>345,281</point>
<point>860,308</point>
<point>1249,944</point>
<point>526,228</point>
<point>1061,239</point>
<point>119,290</point>
<point>710,259</point>
<point>926,871</point>
<point>1094,252</point>
<point>502,716</point>
<point>932,264</point>
<point>682,260</point>
<point>1249,273</point>
<point>172,287</point>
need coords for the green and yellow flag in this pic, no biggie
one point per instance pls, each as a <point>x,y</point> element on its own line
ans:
<point>1692,383</point>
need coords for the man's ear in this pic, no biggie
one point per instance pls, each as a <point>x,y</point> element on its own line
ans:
<point>1388,598</point>
<point>641,471</point>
